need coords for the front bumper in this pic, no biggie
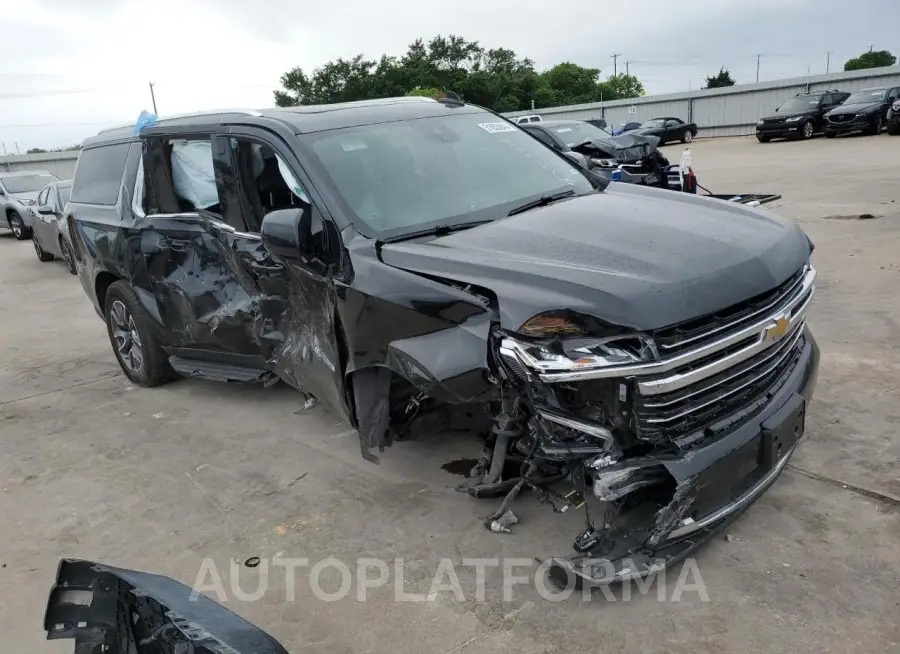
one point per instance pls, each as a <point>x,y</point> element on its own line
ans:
<point>714,484</point>
<point>780,130</point>
<point>855,125</point>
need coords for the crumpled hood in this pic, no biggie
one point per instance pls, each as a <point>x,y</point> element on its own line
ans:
<point>854,108</point>
<point>642,258</point>
<point>627,148</point>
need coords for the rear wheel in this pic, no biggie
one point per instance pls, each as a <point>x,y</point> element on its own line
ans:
<point>17,225</point>
<point>39,251</point>
<point>68,255</point>
<point>762,139</point>
<point>807,130</point>
<point>134,344</point>
<point>877,124</point>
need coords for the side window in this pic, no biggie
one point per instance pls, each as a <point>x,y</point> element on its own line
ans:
<point>827,100</point>
<point>540,134</point>
<point>42,197</point>
<point>182,176</point>
<point>98,174</point>
<point>50,198</point>
<point>265,180</point>
<point>893,95</point>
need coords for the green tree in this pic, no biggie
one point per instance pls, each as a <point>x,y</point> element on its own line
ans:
<point>496,78</point>
<point>719,80</point>
<point>35,151</point>
<point>871,59</point>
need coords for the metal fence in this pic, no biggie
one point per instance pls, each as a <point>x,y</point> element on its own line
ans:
<point>61,164</point>
<point>730,111</point>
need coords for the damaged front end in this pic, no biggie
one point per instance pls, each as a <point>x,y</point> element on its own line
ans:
<point>662,438</point>
<point>636,157</point>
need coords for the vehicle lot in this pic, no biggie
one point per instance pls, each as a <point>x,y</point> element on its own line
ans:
<point>159,479</point>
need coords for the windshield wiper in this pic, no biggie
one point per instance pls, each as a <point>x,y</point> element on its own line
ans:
<point>542,201</point>
<point>437,230</point>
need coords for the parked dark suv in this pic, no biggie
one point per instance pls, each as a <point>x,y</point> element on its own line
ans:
<point>799,117</point>
<point>409,258</point>
<point>864,111</point>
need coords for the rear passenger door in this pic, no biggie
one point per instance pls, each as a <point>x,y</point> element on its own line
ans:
<point>193,241</point>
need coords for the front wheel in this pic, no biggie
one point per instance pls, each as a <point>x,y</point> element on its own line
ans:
<point>139,354</point>
<point>687,136</point>
<point>893,127</point>
<point>807,130</point>
<point>17,225</point>
<point>39,251</point>
<point>762,139</point>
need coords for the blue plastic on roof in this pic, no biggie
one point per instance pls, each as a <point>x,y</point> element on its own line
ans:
<point>146,118</point>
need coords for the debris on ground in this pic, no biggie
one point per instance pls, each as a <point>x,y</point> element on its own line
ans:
<point>502,524</point>
<point>731,538</point>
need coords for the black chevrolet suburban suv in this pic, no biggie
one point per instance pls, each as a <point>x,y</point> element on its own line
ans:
<point>643,351</point>
<point>800,117</point>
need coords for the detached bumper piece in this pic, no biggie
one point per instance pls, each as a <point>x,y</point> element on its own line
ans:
<point>115,611</point>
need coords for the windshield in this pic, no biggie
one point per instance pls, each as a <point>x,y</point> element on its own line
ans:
<point>865,97</point>
<point>64,193</point>
<point>656,122</point>
<point>411,175</point>
<point>575,133</point>
<point>26,183</point>
<point>799,105</point>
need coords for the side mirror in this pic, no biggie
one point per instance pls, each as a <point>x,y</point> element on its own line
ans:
<point>287,234</point>
<point>578,158</point>
<point>45,209</point>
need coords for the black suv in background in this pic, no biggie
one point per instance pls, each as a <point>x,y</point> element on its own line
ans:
<point>864,111</point>
<point>405,257</point>
<point>800,117</point>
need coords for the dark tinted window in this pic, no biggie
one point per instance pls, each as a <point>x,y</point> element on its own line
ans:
<point>99,174</point>
<point>541,135</point>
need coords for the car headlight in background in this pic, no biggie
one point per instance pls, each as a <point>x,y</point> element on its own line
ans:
<point>26,202</point>
<point>759,122</point>
<point>794,119</point>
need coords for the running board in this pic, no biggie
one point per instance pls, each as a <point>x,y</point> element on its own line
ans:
<point>217,371</point>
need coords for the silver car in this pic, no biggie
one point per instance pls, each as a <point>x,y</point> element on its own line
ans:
<point>50,234</point>
<point>18,193</point>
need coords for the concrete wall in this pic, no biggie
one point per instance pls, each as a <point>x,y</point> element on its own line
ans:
<point>61,164</point>
<point>731,111</point>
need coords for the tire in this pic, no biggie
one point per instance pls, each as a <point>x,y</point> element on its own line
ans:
<point>18,227</point>
<point>68,256</point>
<point>141,359</point>
<point>893,128</point>
<point>687,136</point>
<point>807,130</point>
<point>877,124</point>
<point>763,139</point>
<point>39,251</point>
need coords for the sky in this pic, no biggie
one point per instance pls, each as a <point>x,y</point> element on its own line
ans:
<point>69,68</point>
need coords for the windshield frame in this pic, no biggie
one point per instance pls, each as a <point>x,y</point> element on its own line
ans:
<point>44,177</point>
<point>322,177</point>
<point>863,99</point>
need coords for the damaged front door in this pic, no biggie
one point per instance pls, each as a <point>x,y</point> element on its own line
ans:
<point>192,243</point>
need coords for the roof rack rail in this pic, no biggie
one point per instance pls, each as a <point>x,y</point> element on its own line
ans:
<point>207,112</point>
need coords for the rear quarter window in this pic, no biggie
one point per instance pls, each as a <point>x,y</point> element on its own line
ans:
<point>98,174</point>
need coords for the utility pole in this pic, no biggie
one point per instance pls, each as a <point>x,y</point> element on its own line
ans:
<point>871,47</point>
<point>828,62</point>
<point>615,56</point>
<point>757,67</point>
<point>153,98</point>
<point>627,72</point>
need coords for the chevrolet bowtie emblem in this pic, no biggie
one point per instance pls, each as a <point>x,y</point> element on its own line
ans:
<point>779,329</point>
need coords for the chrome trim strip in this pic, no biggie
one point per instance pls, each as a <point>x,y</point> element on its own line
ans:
<point>784,298</point>
<point>220,224</point>
<point>689,526</point>
<point>593,430</point>
<point>778,351</point>
<point>757,377</point>
<point>673,383</point>
<point>549,371</point>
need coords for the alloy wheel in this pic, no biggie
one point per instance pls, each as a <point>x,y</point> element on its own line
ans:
<point>128,341</point>
<point>807,130</point>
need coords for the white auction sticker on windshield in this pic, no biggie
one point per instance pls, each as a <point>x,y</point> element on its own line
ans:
<point>564,129</point>
<point>494,128</point>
